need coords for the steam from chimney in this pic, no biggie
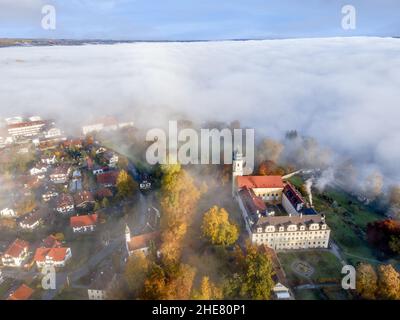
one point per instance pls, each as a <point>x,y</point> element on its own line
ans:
<point>308,186</point>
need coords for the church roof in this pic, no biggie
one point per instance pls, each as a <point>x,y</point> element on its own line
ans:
<point>254,182</point>
<point>142,241</point>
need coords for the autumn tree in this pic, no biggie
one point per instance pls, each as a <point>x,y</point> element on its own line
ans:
<point>168,282</point>
<point>367,281</point>
<point>217,228</point>
<point>388,282</point>
<point>135,272</point>
<point>383,235</point>
<point>208,291</point>
<point>179,197</point>
<point>126,186</point>
<point>253,279</point>
<point>268,168</point>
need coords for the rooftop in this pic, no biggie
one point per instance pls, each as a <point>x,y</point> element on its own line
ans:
<point>22,293</point>
<point>81,221</point>
<point>254,182</point>
<point>16,248</point>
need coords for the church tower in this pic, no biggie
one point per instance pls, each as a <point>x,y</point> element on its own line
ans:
<point>237,170</point>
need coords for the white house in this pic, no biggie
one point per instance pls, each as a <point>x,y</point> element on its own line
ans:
<point>49,159</point>
<point>38,170</point>
<point>16,254</point>
<point>65,204</point>
<point>140,243</point>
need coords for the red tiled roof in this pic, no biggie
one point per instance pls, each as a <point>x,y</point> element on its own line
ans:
<point>56,254</point>
<point>142,241</point>
<point>104,193</point>
<point>108,178</point>
<point>22,293</point>
<point>253,182</point>
<point>81,221</point>
<point>26,124</point>
<point>65,200</point>
<point>16,248</point>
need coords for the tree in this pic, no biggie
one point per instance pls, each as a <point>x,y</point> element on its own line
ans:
<point>268,167</point>
<point>105,202</point>
<point>217,228</point>
<point>270,150</point>
<point>394,244</point>
<point>126,186</point>
<point>168,282</point>
<point>179,197</point>
<point>208,291</point>
<point>389,282</point>
<point>367,281</point>
<point>135,272</point>
<point>97,206</point>
<point>380,234</point>
<point>253,279</point>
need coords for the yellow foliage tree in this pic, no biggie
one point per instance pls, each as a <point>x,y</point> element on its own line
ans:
<point>367,281</point>
<point>389,282</point>
<point>217,228</point>
<point>208,291</point>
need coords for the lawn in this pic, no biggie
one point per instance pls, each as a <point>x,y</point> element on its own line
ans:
<point>309,294</point>
<point>327,268</point>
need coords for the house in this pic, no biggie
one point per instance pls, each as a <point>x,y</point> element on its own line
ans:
<point>16,254</point>
<point>49,192</point>
<point>84,200</point>
<point>22,293</point>
<point>56,257</point>
<point>8,213</point>
<point>108,123</point>
<point>73,144</point>
<point>140,243</point>
<point>60,174</point>
<point>26,128</point>
<point>38,170</point>
<point>107,179</point>
<point>103,282</point>
<point>85,223</point>
<point>65,204</point>
<point>260,197</point>
<point>110,158</point>
<point>104,193</point>
<point>53,132</point>
<point>33,220</point>
<point>51,242</point>
<point>49,160</point>
<point>99,170</point>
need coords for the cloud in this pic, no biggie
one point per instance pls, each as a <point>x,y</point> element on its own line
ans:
<point>341,91</point>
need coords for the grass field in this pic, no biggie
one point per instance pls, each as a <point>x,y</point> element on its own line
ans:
<point>327,268</point>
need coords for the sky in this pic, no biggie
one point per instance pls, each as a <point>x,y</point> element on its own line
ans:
<point>197,20</point>
<point>344,92</point>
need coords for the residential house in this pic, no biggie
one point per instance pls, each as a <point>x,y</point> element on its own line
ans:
<point>85,223</point>
<point>60,174</point>
<point>73,144</point>
<point>110,159</point>
<point>49,192</point>
<point>38,170</point>
<point>140,243</point>
<point>22,293</point>
<point>56,257</point>
<point>49,160</point>
<point>33,220</point>
<point>16,254</point>
<point>107,179</point>
<point>65,204</point>
<point>84,200</point>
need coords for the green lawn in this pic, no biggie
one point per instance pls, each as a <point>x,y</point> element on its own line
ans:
<point>310,294</point>
<point>327,268</point>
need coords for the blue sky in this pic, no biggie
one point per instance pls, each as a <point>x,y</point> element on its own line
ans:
<point>196,20</point>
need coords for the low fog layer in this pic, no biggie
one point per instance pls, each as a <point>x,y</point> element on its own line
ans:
<point>344,92</point>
